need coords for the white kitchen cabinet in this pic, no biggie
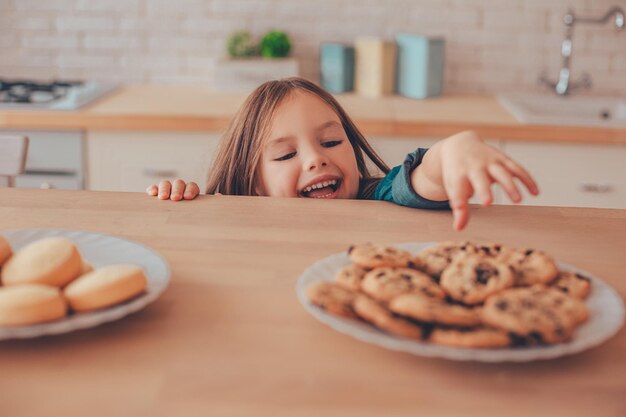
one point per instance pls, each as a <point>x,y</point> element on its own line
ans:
<point>577,175</point>
<point>130,161</point>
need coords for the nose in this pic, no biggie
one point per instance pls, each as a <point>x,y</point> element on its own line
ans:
<point>315,160</point>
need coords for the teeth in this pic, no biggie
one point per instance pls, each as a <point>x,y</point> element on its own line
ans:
<point>320,185</point>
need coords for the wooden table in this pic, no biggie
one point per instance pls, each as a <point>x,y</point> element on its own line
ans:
<point>229,338</point>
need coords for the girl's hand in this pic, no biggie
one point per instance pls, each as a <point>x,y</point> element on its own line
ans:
<point>178,191</point>
<point>469,166</point>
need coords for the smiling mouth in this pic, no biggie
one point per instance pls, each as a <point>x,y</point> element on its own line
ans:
<point>325,189</point>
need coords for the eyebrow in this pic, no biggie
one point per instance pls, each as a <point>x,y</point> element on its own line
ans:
<point>326,125</point>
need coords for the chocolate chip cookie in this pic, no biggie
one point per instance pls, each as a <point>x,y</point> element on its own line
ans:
<point>371,256</point>
<point>531,267</point>
<point>435,259</point>
<point>434,310</point>
<point>478,337</point>
<point>383,284</point>
<point>471,278</point>
<point>332,298</point>
<point>574,284</point>
<point>376,314</point>
<point>541,313</point>
<point>350,276</point>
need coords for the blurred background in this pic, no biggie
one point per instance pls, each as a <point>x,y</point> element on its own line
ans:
<point>491,46</point>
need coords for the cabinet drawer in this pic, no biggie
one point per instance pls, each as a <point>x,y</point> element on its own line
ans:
<point>132,161</point>
<point>574,175</point>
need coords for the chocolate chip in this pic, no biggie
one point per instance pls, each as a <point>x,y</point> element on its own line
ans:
<point>484,272</point>
<point>584,278</point>
<point>517,340</point>
<point>380,274</point>
<point>559,331</point>
<point>502,305</point>
<point>529,252</point>
<point>378,256</point>
<point>406,277</point>
<point>536,338</point>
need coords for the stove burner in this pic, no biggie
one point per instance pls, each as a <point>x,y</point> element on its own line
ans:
<point>23,91</point>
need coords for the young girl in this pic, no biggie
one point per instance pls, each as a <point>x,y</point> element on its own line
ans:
<point>291,138</point>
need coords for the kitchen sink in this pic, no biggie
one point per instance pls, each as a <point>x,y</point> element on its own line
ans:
<point>568,110</point>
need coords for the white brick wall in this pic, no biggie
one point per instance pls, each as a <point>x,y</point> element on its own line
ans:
<point>492,45</point>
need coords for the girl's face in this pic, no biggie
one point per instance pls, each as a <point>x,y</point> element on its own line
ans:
<point>307,152</point>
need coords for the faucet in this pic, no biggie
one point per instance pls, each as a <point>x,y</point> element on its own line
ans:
<point>565,85</point>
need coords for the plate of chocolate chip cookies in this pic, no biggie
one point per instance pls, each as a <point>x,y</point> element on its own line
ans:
<point>462,301</point>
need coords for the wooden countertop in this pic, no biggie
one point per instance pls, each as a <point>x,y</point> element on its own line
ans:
<point>186,108</point>
<point>229,337</point>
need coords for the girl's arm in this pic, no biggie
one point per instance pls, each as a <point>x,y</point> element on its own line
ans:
<point>179,190</point>
<point>462,165</point>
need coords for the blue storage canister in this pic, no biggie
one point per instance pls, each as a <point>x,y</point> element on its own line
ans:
<point>420,66</point>
<point>337,67</point>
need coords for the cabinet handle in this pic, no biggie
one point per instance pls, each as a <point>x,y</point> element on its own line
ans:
<point>160,173</point>
<point>596,188</point>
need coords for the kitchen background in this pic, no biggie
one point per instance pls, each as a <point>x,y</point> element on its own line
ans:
<point>491,45</point>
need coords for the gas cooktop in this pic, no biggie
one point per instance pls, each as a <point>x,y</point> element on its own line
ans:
<point>50,95</point>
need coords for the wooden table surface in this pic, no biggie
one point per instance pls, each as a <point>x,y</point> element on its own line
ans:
<point>229,337</point>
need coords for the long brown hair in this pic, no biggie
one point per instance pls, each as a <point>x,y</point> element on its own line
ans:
<point>233,171</point>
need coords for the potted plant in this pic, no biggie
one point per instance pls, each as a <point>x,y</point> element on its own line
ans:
<point>251,63</point>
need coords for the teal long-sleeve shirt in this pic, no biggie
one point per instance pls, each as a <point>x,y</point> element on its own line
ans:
<point>396,186</point>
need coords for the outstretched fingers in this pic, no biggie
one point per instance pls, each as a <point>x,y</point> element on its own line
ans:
<point>481,183</point>
<point>503,177</point>
<point>459,191</point>
<point>522,174</point>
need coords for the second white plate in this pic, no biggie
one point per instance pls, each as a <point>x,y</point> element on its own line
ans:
<point>99,250</point>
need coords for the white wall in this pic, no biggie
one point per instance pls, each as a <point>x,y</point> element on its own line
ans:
<point>493,45</point>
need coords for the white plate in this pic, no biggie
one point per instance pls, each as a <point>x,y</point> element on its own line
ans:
<point>99,250</point>
<point>606,310</point>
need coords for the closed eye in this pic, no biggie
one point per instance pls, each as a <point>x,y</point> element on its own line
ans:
<point>331,143</point>
<point>285,157</point>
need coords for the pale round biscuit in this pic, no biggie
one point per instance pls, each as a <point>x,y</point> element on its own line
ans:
<point>5,250</point>
<point>26,304</point>
<point>52,261</point>
<point>86,268</point>
<point>105,286</point>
